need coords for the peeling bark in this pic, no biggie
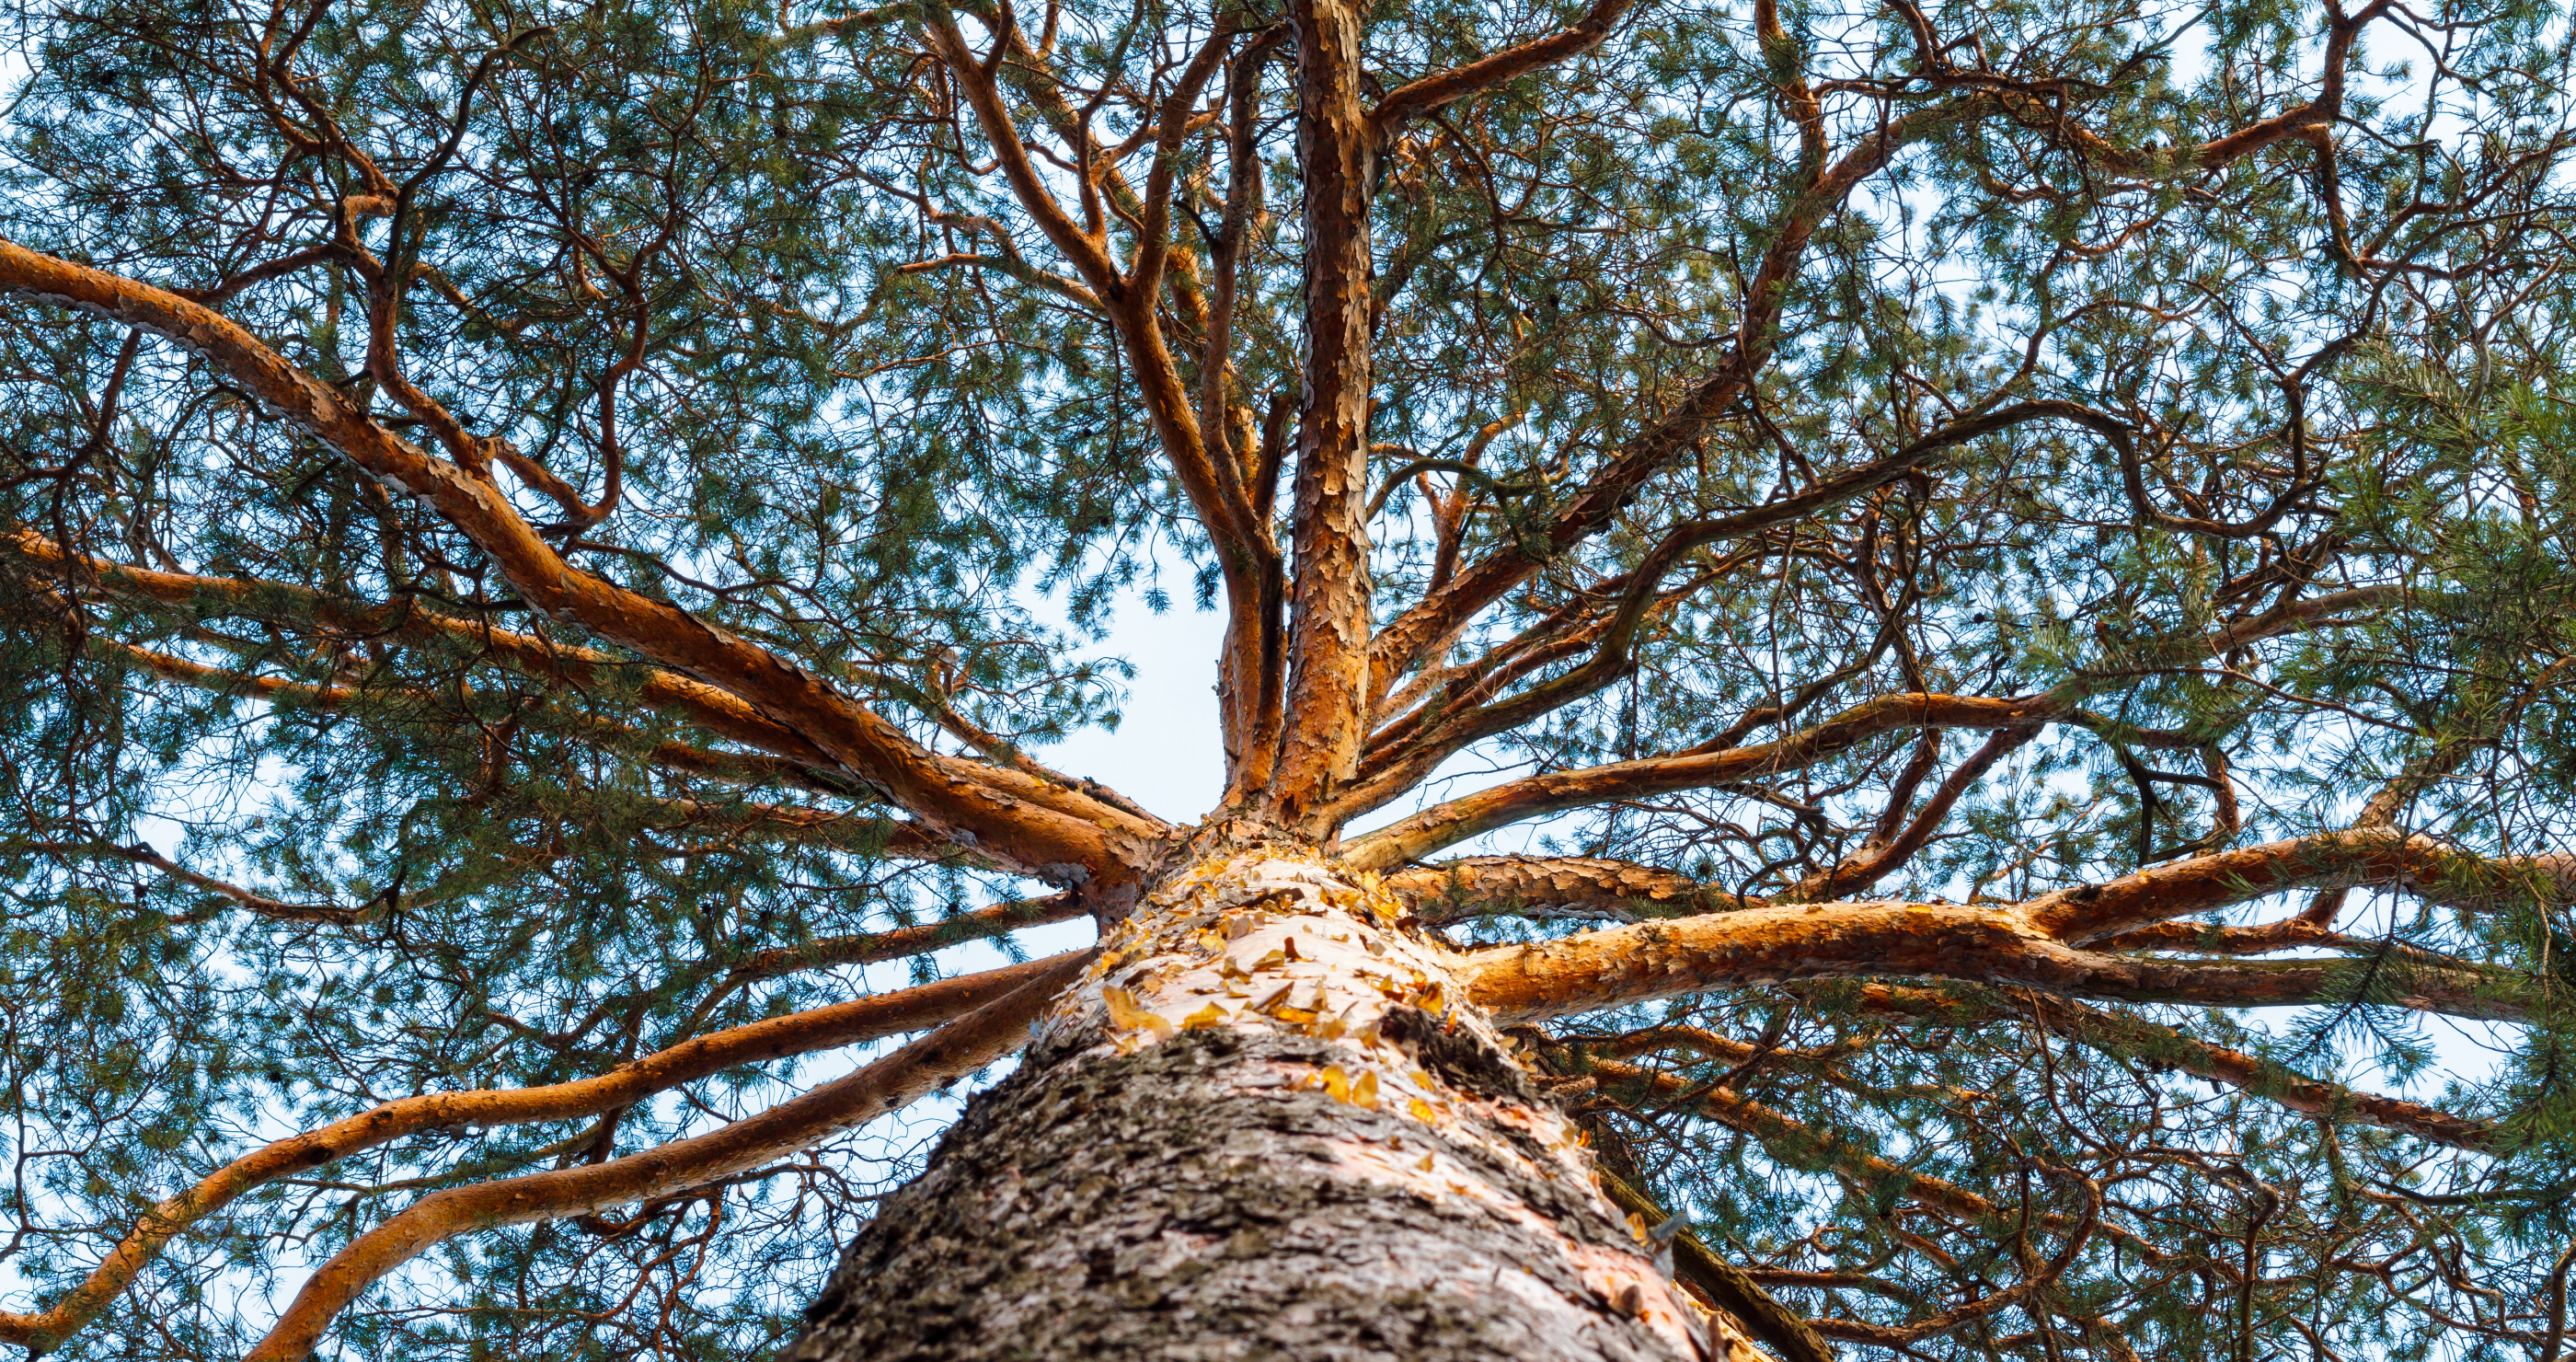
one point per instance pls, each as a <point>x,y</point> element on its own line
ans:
<point>1329,619</point>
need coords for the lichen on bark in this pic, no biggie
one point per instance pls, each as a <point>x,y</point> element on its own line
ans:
<point>1329,1154</point>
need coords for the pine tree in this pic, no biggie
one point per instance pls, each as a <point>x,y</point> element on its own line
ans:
<point>1894,679</point>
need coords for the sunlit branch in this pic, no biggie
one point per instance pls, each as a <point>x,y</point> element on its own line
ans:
<point>1550,887</point>
<point>1013,268</point>
<point>1619,966</point>
<point>865,833</point>
<point>2423,866</point>
<point>819,1029</point>
<point>1329,593</point>
<point>806,35</point>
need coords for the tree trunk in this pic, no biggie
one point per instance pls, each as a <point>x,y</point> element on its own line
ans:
<point>1262,1125</point>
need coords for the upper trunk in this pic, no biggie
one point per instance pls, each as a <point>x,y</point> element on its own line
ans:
<point>1264,1124</point>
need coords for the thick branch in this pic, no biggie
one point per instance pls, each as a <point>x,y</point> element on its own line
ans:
<point>1328,600</point>
<point>1619,966</point>
<point>2420,865</point>
<point>1014,818</point>
<point>1550,887</point>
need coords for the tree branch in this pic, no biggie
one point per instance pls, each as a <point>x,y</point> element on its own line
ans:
<point>1550,887</point>
<point>1619,966</point>
<point>1537,796</point>
<point>732,768</point>
<point>331,914</point>
<point>868,948</point>
<point>1498,68</point>
<point>2163,1046</point>
<point>718,711</point>
<point>1013,818</point>
<point>1328,594</point>
<point>2421,865</point>
<point>1435,619</point>
<point>821,1028</point>
<point>953,1051</point>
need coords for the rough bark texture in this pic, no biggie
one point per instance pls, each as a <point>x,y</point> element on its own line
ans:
<point>1226,1147</point>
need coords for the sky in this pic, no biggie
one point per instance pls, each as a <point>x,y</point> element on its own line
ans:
<point>1164,756</point>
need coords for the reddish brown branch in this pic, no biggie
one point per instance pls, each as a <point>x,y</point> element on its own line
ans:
<point>1246,553</point>
<point>1619,966</point>
<point>2420,865</point>
<point>1328,594</point>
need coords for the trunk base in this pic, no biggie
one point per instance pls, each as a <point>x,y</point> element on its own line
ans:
<point>1263,1126</point>
<point>1151,1207</point>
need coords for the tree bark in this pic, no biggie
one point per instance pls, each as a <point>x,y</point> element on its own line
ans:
<point>1266,1123</point>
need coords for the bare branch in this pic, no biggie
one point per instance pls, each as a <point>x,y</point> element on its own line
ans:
<point>1498,68</point>
<point>1618,966</point>
<point>1550,887</point>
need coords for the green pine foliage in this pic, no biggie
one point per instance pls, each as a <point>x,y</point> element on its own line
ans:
<point>755,259</point>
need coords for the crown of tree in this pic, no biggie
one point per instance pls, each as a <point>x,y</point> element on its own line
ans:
<point>2005,567</point>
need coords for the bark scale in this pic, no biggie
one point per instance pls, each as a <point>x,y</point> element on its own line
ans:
<point>1266,1123</point>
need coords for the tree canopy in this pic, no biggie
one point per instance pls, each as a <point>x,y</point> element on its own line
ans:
<point>538,541</point>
